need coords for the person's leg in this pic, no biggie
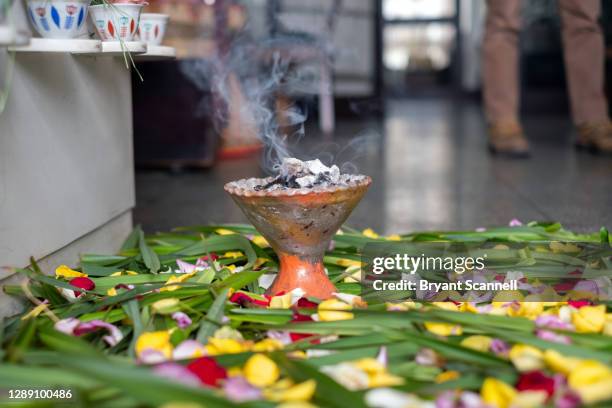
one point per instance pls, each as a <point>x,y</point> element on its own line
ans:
<point>500,57</point>
<point>584,50</point>
<point>584,59</point>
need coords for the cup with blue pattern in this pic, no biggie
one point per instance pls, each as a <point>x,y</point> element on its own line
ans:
<point>58,18</point>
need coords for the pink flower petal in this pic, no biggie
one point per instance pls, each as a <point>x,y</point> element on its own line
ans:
<point>185,267</point>
<point>182,319</point>
<point>515,223</point>
<point>552,322</point>
<point>176,372</point>
<point>188,349</point>
<point>151,356</point>
<point>382,356</point>
<point>239,389</point>
<point>553,337</point>
<point>68,325</point>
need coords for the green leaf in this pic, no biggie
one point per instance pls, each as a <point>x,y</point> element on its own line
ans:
<point>213,318</point>
<point>133,240</point>
<point>133,312</point>
<point>149,256</point>
<point>92,269</point>
<point>17,376</point>
<point>68,344</point>
<point>221,243</point>
<point>22,341</point>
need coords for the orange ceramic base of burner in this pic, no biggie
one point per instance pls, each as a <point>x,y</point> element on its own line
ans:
<point>296,272</point>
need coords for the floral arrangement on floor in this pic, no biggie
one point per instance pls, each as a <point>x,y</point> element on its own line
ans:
<point>182,320</point>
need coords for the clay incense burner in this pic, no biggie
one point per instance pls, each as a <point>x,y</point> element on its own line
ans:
<point>299,225</point>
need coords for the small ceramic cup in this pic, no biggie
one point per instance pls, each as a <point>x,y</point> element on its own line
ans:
<point>152,28</point>
<point>58,18</point>
<point>116,22</point>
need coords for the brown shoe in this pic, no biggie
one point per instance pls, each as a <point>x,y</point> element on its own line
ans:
<point>596,137</point>
<point>508,139</point>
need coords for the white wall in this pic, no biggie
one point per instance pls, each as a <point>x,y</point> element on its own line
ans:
<point>66,162</point>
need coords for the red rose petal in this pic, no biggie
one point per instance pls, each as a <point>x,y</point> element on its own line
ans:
<point>579,303</point>
<point>536,381</point>
<point>208,371</point>
<point>298,318</point>
<point>213,257</point>
<point>242,299</point>
<point>304,303</point>
<point>82,283</point>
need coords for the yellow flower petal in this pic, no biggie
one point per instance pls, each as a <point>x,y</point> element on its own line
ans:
<point>447,376</point>
<point>444,329</point>
<point>348,262</point>
<point>260,241</point>
<point>592,380</point>
<point>559,363</point>
<point>260,262</point>
<point>281,302</point>
<point>234,372</point>
<point>468,307</point>
<point>588,372</point>
<point>446,306</point>
<point>607,330</point>
<point>480,343</point>
<point>497,393</point>
<point>296,404</point>
<point>233,255</point>
<point>394,237</point>
<point>227,332</point>
<point>369,365</point>
<point>169,285</point>
<point>267,345</point>
<point>157,340</point>
<point>223,231</point>
<point>353,274</point>
<point>329,310</point>
<point>369,232</point>
<point>64,271</point>
<point>526,358</point>
<point>166,306</point>
<point>261,371</point>
<point>111,292</point>
<point>224,346</point>
<point>589,319</point>
<point>384,380</point>
<point>299,392</point>
<point>529,399</point>
<point>528,309</point>
<point>596,392</point>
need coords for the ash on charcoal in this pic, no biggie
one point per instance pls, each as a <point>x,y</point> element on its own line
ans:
<point>294,173</point>
<point>297,174</point>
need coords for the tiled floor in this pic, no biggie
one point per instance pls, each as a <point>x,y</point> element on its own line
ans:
<point>431,171</point>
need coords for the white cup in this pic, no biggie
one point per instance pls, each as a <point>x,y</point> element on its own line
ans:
<point>152,28</point>
<point>58,18</point>
<point>116,22</point>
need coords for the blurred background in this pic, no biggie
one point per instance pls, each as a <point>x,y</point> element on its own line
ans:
<point>389,88</point>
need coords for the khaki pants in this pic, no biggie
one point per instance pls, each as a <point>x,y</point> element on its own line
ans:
<point>583,53</point>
